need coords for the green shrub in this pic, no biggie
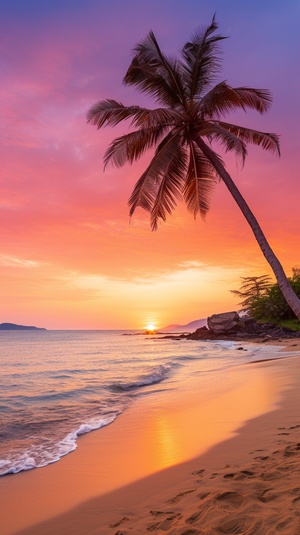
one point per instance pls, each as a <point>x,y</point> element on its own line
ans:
<point>265,301</point>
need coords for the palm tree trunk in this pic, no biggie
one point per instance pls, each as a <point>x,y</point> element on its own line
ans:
<point>283,283</point>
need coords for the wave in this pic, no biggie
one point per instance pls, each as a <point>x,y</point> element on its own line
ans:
<point>48,455</point>
<point>156,375</point>
<point>51,396</point>
<point>190,357</point>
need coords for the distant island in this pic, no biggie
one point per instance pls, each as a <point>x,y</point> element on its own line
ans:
<point>14,327</point>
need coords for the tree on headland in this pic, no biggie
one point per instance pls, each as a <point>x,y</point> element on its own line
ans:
<point>182,129</point>
<point>270,305</point>
<point>252,288</point>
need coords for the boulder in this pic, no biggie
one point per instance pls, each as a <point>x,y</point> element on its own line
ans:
<point>227,322</point>
<point>203,333</point>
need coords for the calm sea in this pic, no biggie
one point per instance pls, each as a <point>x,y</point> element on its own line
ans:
<point>58,385</point>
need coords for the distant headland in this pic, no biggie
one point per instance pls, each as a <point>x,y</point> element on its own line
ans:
<point>14,327</point>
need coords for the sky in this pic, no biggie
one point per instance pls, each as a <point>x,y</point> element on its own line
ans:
<point>70,258</point>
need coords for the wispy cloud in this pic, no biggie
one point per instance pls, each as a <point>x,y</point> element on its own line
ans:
<point>11,261</point>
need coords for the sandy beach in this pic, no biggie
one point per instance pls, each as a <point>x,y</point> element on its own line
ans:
<point>223,460</point>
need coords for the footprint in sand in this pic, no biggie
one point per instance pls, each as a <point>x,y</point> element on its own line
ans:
<point>194,517</point>
<point>286,527</point>
<point>203,495</point>
<point>229,476</point>
<point>233,525</point>
<point>267,495</point>
<point>235,499</point>
<point>292,450</point>
<point>161,513</point>
<point>239,475</point>
<point>296,502</point>
<point>255,451</point>
<point>166,523</point>
<point>283,431</point>
<point>116,524</point>
<point>198,472</point>
<point>191,531</point>
<point>180,495</point>
<point>247,473</point>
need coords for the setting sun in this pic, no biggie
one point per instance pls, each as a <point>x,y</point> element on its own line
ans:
<point>150,327</point>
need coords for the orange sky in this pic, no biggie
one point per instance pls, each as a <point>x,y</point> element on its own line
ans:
<point>69,257</point>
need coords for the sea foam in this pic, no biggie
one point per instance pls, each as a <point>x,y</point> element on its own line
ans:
<point>49,455</point>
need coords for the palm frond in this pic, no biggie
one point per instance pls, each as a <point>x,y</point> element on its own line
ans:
<point>223,98</point>
<point>201,59</point>
<point>200,182</point>
<point>257,99</point>
<point>146,188</point>
<point>148,118</point>
<point>171,185</point>
<point>155,74</point>
<point>267,141</point>
<point>144,191</point>
<point>219,100</point>
<point>132,146</point>
<point>229,140</point>
<point>110,112</point>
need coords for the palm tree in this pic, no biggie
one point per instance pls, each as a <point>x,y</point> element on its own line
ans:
<point>181,131</point>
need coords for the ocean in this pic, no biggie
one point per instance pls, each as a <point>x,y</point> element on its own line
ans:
<point>58,385</point>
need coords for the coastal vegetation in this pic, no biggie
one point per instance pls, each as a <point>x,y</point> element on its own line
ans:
<point>181,131</point>
<point>251,289</point>
<point>264,301</point>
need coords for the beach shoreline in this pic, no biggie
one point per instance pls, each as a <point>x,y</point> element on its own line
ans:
<point>69,496</point>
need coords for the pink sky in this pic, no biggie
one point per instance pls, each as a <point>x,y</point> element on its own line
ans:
<point>69,257</point>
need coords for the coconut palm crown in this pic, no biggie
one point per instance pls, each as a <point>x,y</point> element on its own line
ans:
<point>181,131</point>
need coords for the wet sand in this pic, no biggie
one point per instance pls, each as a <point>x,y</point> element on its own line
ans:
<point>222,460</point>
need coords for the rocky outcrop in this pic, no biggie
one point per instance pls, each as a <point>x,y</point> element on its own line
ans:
<point>203,333</point>
<point>225,323</point>
<point>230,326</point>
<point>246,329</point>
